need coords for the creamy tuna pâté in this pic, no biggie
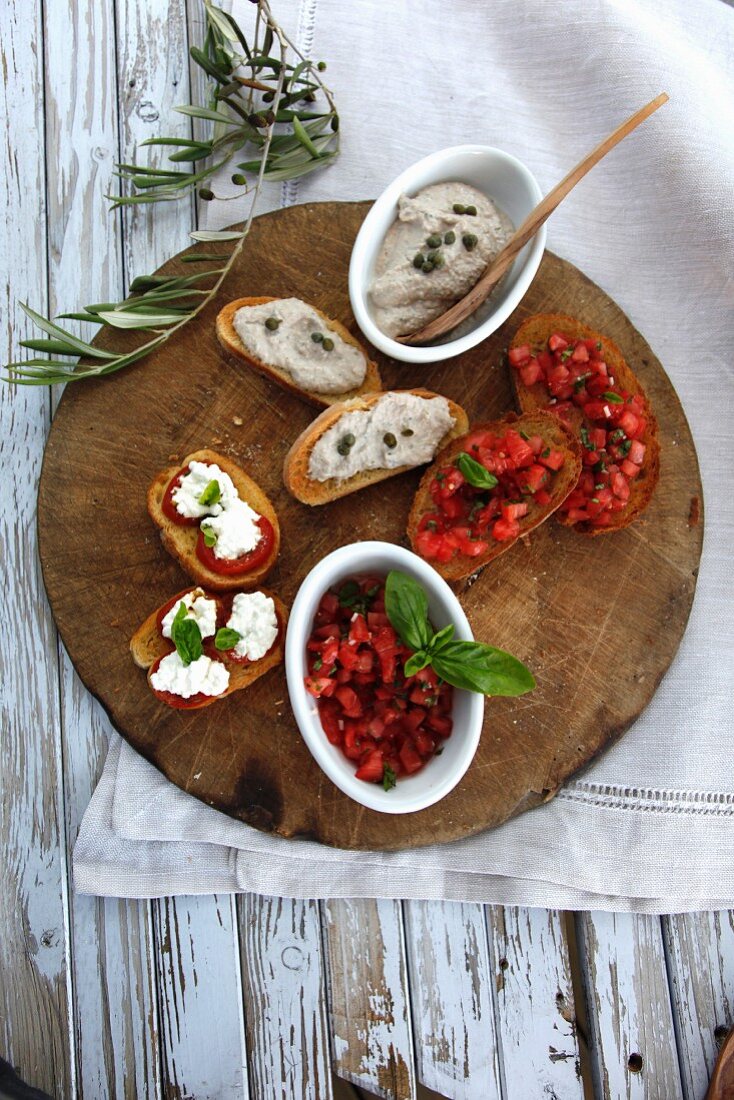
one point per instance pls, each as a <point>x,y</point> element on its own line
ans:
<point>433,254</point>
<point>290,335</point>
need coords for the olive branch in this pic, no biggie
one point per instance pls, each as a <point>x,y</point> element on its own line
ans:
<point>264,105</point>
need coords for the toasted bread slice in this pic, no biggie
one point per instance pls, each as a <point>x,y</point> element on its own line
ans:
<point>295,468</point>
<point>147,645</point>
<point>554,434</point>
<point>180,541</point>
<point>233,346</point>
<point>535,332</point>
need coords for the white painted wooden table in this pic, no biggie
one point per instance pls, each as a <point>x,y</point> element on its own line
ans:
<point>227,997</point>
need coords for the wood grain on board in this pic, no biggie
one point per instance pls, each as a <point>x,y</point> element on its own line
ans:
<point>597,620</point>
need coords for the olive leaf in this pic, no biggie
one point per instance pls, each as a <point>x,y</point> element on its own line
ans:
<point>263,99</point>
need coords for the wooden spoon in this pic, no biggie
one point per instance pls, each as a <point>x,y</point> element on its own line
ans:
<point>496,269</point>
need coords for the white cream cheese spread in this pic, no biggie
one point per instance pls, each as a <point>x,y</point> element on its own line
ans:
<point>203,676</point>
<point>401,429</point>
<point>253,616</point>
<point>290,335</point>
<point>202,610</point>
<point>433,254</point>
<point>192,485</point>
<point>235,529</point>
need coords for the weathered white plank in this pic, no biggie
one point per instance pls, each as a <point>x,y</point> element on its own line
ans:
<point>152,80</point>
<point>368,999</point>
<point>285,1004</point>
<point>198,975</point>
<point>632,1039</point>
<point>535,1004</point>
<point>35,982</point>
<point>202,1028</point>
<point>451,999</point>
<point>115,1011</point>
<point>700,950</point>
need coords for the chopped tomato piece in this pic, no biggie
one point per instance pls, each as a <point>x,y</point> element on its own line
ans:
<point>372,769</point>
<point>520,355</point>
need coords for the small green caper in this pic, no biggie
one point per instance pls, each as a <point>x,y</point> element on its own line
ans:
<point>427,266</point>
<point>272,323</point>
<point>407,431</point>
<point>470,241</point>
<point>419,259</point>
<point>389,440</point>
<point>432,257</point>
<point>434,240</point>
<point>459,208</point>
<point>439,260</point>
<point>327,344</point>
<point>449,237</point>
<point>342,448</point>
<point>317,337</point>
<point>471,211</point>
<point>349,439</point>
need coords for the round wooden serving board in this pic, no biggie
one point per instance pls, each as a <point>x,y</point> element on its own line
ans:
<point>597,620</point>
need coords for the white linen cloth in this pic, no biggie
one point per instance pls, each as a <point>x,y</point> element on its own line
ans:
<point>650,827</point>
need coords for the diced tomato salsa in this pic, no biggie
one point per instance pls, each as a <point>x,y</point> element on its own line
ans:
<point>388,723</point>
<point>466,519</point>
<point>613,422</point>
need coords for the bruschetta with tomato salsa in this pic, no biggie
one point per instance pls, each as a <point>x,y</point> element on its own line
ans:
<point>216,521</point>
<point>489,487</point>
<point>200,646</point>
<point>367,439</point>
<point>563,366</point>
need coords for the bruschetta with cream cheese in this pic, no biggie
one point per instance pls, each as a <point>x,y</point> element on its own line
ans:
<point>216,521</point>
<point>297,346</point>
<point>200,646</point>
<point>559,364</point>
<point>368,439</point>
<point>488,488</point>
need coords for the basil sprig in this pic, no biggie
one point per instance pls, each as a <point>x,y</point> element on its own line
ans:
<point>473,471</point>
<point>226,638</point>
<point>186,636</point>
<point>212,494</point>
<point>472,666</point>
<point>210,536</point>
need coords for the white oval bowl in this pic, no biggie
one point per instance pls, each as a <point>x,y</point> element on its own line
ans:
<point>441,774</point>
<point>498,175</point>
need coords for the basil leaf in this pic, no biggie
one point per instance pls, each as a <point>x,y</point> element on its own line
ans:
<point>406,606</point>
<point>474,472</point>
<point>226,638</point>
<point>389,779</point>
<point>438,641</point>
<point>415,663</point>
<point>210,537</point>
<point>613,398</point>
<point>186,636</point>
<point>212,494</point>
<point>474,666</point>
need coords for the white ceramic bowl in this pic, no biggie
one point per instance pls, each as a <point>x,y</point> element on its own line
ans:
<point>501,177</point>
<point>441,774</point>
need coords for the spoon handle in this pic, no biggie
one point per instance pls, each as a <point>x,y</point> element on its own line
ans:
<point>496,269</point>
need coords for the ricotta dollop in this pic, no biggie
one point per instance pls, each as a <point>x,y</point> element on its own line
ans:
<point>401,429</point>
<point>235,529</point>
<point>404,295</point>
<point>289,346</point>
<point>203,676</point>
<point>254,617</point>
<point>231,521</point>
<point>201,609</point>
<point>186,494</point>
